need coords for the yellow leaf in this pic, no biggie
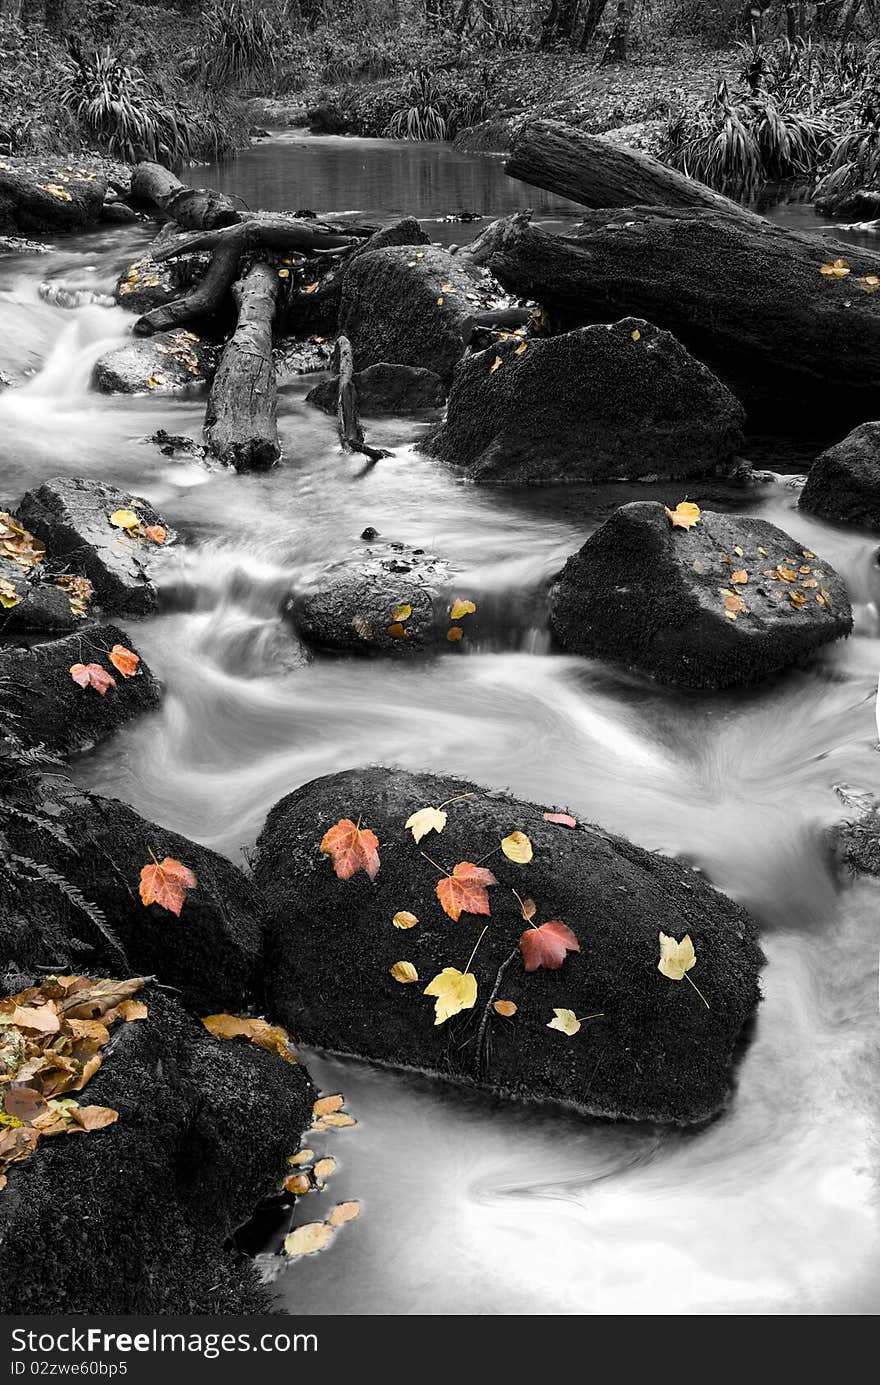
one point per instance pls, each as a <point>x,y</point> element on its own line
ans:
<point>454,991</point>
<point>398,631</point>
<point>8,594</point>
<point>343,1212</point>
<point>284,274</point>
<point>125,519</point>
<point>405,973</point>
<point>739,553</point>
<point>309,288</point>
<point>325,1167</point>
<point>676,958</point>
<point>461,608</point>
<point>325,1104</point>
<point>870,283</point>
<point>496,365</point>
<point>404,919</point>
<point>297,1183</point>
<point>739,578</point>
<point>838,270</point>
<point>302,1156</point>
<point>439,302</point>
<point>762,551</point>
<point>338,1119</point>
<point>636,335</point>
<point>807,554</point>
<point>507,1008</point>
<point>517,847</point>
<point>565,1021</point>
<point>308,1239</point>
<point>269,1036</point>
<point>521,349</point>
<point>424,821</point>
<point>401,612</point>
<point>684,516</point>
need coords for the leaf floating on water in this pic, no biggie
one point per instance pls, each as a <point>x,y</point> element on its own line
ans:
<point>684,516</point>
<point>459,609</point>
<point>325,1167</point>
<point>506,1008</point>
<point>302,1156</point>
<point>454,991</point>
<point>425,820</point>
<point>338,1120</point>
<point>351,849</point>
<point>465,891</point>
<point>454,634</point>
<point>325,1104</point>
<point>518,848</point>
<point>404,919</point>
<point>343,1212</point>
<point>565,1021</point>
<point>548,945</point>
<point>676,958</point>
<point>297,1183</point>
<point>308,1239</point>
<point>166,883</point>
<point>404,972</point>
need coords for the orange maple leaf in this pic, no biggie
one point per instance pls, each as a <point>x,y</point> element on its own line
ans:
<point>166,883</point>
<point>125,660</point>
<point>156,532</point>
<point>92,675</point>
<point>352,848</point>
<point>464,891</point>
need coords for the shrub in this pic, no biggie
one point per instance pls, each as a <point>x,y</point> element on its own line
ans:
<point>116,108</point>
<point>240,45</point>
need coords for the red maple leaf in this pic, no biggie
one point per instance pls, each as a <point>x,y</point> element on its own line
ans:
<point>546,946</point>
<point>351,848</point>
<point>94,674</point>
<point>166,883</point>
<point>464,891</point>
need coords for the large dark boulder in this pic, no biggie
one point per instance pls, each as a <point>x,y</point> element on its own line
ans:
<point>353,605</point>
<point>412,306</point>
<point>177,362</point>
<point>40,606</point>
<point>657,1053</point>
<point>728,601</point>
<point>80,858</point>
<point>45,706</point>
<point>844,483</point>
<point>50,194</point>
<point>385,389</point>
<point>620,399</point>
<point>72,517</point>
<point>135,1218</point>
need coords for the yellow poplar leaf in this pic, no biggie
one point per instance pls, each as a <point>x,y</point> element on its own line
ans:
<point>402,612</point>
<point>343,1212</point>
<point>453,991</point>
<point>338,1120</point>
<point>325,1167</point>
<point>325,1104</point>
<point>404,919</point>
<point>676,958</point>
<point>496,365</point>
<point>302,1156</point>
<point>517,847</point>
<point>684,516</point>
<point>308,1239</point>
<point>565,1021</point>
<point>405,973</point>
<point>507,1008</point>
<point>125,519</point>
<point>460,609</point>
<point>424,821</point>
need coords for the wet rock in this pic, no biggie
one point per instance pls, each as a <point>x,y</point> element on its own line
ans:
<point>19,245</point>
<point>385,389</point>
<point>177,362</point>
<point>844,482</point>
<point>657,1053</point>
<point>62,295</point>
<point>72,517</point>
<point>856,842</point>
<point>412,307</point>
<point>49,194</point>
<point>597,403</point>
<point>46,707</point>
<point>662,599</point>
<point>147,283</point>
<point>95,848</point>
<point>135,1218</point>
<point>118,213</point>
<point>356,605</point>
<point>42,606</point>
<point>304,357</point>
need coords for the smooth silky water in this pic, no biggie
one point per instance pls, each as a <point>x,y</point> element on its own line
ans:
<point>469,1206</point>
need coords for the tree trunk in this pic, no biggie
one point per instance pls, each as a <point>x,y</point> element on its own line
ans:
<point>206,298</point>
<point>194,209</point>
<point>615,51</point>
<point>597,173</point>
<point>240,419</point>
<point>746,298</point>
<point>592,20</point>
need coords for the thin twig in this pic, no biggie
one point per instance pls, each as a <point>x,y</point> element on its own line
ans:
<point>481,1032</point>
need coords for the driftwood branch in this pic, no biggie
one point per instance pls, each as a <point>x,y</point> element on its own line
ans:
<point>241,416</point>
<point>157,188</point>
<point>351,434</point>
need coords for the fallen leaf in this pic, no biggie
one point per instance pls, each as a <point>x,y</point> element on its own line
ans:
<point>548,945</point>
<point>404,972</point>
<point>308,1239</point>
<point>325,1167</point>
<point>518,848</point>
<point>302,1156</point>
<point>43,1018</point>
<point>325,1104</point>
<point>397,631</point>
<point>155,533</point>
<point>454,633</point>
<point>271,1037</point>
<point>404,919</point>
<point>351,848</point>
<point>425,820</point>
<point>343,1212</point>
<point>439,302</point>
<point>465,890</point>
<point>676,958</point>
<point>561,819</point>
<point>338,1120</point>
<point>461,608</point>
<point>528,908</point>
<point>838,270</point>
<point>521,349</point>
<point>496,365</point>
<point>92,675</point>
<point>94,1117</point>
<point>636,335</point>
<point>454,991</point>
<point>297,1183</point>
<point>805,552</point>
<point>565,1021</point>
<point>130,1010</point>
<point>734,605</point>
<point>684,516</point>
<point>506,1008</point>
<point>740,577</point>
<point>125,661</point>
<point>24,1103</point>
<point>165,883</point>
<point>9,596</point>
<point>402,612</point>
<point>284,274</point>
<point>127,519</point>
<point>762,551</point>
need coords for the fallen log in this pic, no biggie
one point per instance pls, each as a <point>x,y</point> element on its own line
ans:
<point>750,300</point>
<point>206,297</point>
<point>351,434</point>
<point>194,209</point>
<point>598,173</point>
<point>241,427</point>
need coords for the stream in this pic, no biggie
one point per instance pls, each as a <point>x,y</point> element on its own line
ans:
<point>471,1207</point>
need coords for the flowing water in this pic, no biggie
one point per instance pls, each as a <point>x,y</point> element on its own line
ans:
<point>470,1207</point>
